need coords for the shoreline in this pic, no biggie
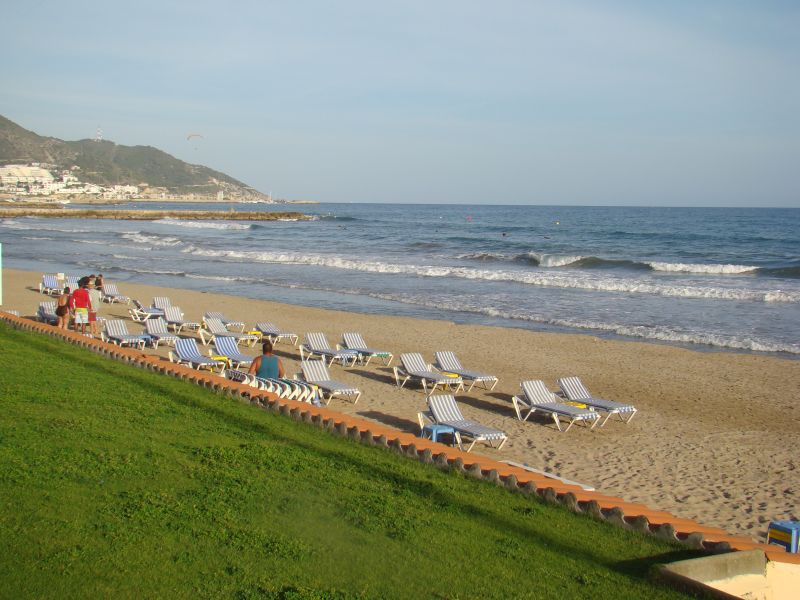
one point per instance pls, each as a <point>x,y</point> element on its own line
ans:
<point>708,443</point>
<point>150,215</point>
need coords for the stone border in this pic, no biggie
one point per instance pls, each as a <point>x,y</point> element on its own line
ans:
<point>629,515</point>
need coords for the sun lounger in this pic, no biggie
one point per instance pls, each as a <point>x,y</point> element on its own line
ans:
<point>141,313</point>
<point>12,312</point>
<point>161,302</point>
<point>445,411</point>
<point>316,372</point>
<point>47,313</point>
<point>226,322</point>
<point>71,281</point>
<point>316,344</point>
<point>537,398</point>
<point>448,362</point>
<point>214,328</point>
<point>354,341</point>
<point>187,353</point>
<point>275,334</point>
<point>291,389</point>
<point>50,285</point>
<point>116,332</point>
<point>227,347</point>
<point>575,391</point>
<point>174,318</point>
<point>414,367</point>
<point>157,330</point>
<point>111,294</point>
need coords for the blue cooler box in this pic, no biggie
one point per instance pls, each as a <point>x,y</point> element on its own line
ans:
<point>784,533</point>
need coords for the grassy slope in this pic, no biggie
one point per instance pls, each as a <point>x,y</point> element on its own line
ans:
<point>116,481</point>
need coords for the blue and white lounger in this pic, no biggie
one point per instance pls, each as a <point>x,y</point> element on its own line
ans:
<point>355,341</point>
<point>157,330</point>
<point>537,398</point>
<point>111,294</point>
<point>47,313</point>
<point>140,313</point>
<point>316,344</point>
<point>227,322</point>
<point>50,285</point>
<point>448,362</point>
<point>316,373</point>
<point>445,411</point>
<point>187,353</point>
<point>275,334</point>
<point>227,347</point>
<point>575,391</point>
<point>174,318</point>
<point>414,367</point>
<point>116,332</point>
<point>214,328</point>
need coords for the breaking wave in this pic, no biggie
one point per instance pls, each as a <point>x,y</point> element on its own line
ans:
<point>154,240</point>
<point>203,224</point>
<point>544,279</point>
<point>709,269</point>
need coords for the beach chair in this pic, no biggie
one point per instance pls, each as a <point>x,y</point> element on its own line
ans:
<point>157,330</point>
<point>226,322</point>
<point>50,285</point>
<point>11,312</point>
<point>161,302</point>
<point>316,373</point>
<point>187,353</point>
<point>141,313</point>
<point>214,328</point>
<point>575,391</point>
<point>354,341</point>
<point>174,318</point>
<point>46,313</point>
<point>448,362</point>
<point>316,344</point>
<point>227,347</point>
<point>111,294</point>
<point>71,281</point>
<point>291,389</point>
<point>275,334</point>
<point>116,332</point>
<point>537,398</point>
<point>445,412</point>
<point>414,367</point>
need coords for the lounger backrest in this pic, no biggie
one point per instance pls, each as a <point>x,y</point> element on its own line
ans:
<point>236,375</point>
<point>574,388</point>
<point>161,302</point>
<point>537,393</point>
<point>448,361</point>
<point>156,326</point>
<point>413,361</point>
<point>47,308</point>
<point>267,328</point>
<point>187,348</point>
<point>214,325</point>
<point>354,340</point>
<point>50,282</point>
<point>317,341</point>
<point>444,408</point>
<point>110,289</point>
<point>215,315</point>
<point>116,327</point>
<point>226,346</point>
<point>72,281</point>
<point>315,370</point>
<point>173,314</point>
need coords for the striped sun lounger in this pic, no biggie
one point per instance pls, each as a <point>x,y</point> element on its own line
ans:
<point>575,391</point>
<point>448,362</point>
<point>116,332</point>
<point>316,344</point>
<point>445,411</point>
<point>537,398</point>
<point>214,328</point>
<point>415,368</point>
<point>174,318</point>
<point>316,373</point>
<point>187,353</point>
<point>355,341</point>
<point>157,330</point>
<point>275,334</point>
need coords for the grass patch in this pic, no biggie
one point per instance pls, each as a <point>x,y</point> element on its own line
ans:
<point>120,482</point>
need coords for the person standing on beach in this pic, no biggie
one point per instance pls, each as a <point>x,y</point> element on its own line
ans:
<point>80,303</point>
<point>98,282</point>
<point>95,297</point>
<point>62,309</point>
<point>267,366</point>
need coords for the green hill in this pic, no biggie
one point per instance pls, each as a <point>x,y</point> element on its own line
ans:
<point>106,163</point>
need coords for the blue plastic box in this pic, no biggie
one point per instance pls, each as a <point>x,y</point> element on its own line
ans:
<point>784,533</point>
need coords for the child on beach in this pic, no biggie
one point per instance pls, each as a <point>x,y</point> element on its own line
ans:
<point>62,309</point>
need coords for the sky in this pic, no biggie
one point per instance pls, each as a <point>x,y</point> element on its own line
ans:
<point>681,103</point>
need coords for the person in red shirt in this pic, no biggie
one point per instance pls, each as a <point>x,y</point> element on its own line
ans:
<point>80,303</point>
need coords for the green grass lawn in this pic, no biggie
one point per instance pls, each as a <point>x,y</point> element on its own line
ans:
<point>115,481</point>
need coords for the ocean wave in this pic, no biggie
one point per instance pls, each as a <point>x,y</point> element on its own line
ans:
<point>35,238</point>
<point>230,278</point>
<point>203,224</point>
<point>154,240</point>
<point>549,260</point>
<point>483,256</point>
<point>543,279</point>
<point>699,268</point>
<point>35,222</point>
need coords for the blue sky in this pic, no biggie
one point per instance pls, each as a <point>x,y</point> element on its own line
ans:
<point>622,103</point>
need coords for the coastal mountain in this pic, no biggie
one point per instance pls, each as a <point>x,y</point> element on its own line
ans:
<point>105,163</point>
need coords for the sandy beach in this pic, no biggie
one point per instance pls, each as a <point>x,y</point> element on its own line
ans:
<point>714,439</point>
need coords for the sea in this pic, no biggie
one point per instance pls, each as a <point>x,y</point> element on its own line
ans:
<point>717,279</point>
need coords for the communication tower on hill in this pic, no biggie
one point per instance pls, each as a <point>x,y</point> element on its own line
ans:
<point>98,136</point>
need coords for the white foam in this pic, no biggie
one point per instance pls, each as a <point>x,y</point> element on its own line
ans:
<point>203,224</point>
<point>537,278</point>
<point>154,240</point>
<point>697,268</point>
<point>554,260</point>
<point>35,223</point>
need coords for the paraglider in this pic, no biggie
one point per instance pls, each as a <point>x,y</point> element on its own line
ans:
<point>194,139</point>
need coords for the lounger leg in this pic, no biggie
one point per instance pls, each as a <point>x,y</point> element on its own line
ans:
<point>633,414</point>
<point>494,384</point>
<point>358,395</point>
<point>474,381</point>
<point>608,416</point>
<point>457,437</point>
<point>471,445</point>
<point>502,443</point>
<point>558,424</point>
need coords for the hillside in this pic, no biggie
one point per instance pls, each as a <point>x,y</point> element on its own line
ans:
<point>106,163</point>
